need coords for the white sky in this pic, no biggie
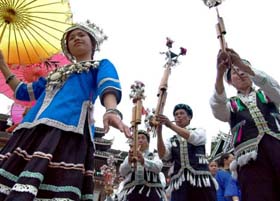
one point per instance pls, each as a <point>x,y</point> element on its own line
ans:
<point>137,32</point>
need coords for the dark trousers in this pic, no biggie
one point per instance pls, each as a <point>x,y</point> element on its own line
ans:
<point>135,195</point>
<point>187,192</point>
<point>260,179</point>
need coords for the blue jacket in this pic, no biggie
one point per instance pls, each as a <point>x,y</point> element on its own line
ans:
<point>233,189</point>
<point>223,178</point>
<point>66,106</point>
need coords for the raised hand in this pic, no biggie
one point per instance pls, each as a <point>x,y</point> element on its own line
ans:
<point>223,62</point>
<point>239,62</point>
<point>162,119</point>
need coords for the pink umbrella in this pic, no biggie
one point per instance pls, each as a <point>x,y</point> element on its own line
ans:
<point>30,73</point>
<point>17,112</point>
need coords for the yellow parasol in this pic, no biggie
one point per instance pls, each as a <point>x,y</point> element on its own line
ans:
<point>30,30</point>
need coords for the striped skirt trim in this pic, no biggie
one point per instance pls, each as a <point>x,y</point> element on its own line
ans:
<point>46,163</point>
<point>33,190</point>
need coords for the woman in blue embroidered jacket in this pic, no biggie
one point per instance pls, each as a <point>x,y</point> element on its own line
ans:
<point>253,115</point>
<point>228,188</point>
<point>190,179</point>
<point>143,182</point>
<point>50,154</point>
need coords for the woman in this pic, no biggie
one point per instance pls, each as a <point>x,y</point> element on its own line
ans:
<point>223,176</point>
<point>213,167</point>
<point>50,154</point>
<point>253,115</point>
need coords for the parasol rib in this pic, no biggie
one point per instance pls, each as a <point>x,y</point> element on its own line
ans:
<point>37,40</point>
<point>6,1</point>
<point>31,2</point>
<point>19,4</point>
<point>50,20</point>
<point>27,36</point>
<point>48,12</point>
<point>42,36</point>
<point>15,3</point>
<point>25,48</point>
<point>43,5</point>
<point>2,34</point>
<point>18,55</point>
<point>9,43</point>
<point>44,24</point>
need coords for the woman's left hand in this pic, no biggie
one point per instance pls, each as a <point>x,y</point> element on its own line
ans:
<point>111,119</point>
<point>237,61</point>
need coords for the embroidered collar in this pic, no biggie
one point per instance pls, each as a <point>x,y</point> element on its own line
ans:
<point>249,98</point>
<point>58,76</point>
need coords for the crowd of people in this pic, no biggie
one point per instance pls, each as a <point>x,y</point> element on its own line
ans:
<point>50,157</point>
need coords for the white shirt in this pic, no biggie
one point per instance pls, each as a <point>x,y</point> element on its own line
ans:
<point>155,165</point>
<point>197,137</point>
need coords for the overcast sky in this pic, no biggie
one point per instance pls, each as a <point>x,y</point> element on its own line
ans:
<point>137,32</point>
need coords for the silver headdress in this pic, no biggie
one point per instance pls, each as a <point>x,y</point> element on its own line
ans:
<point>94,31</point>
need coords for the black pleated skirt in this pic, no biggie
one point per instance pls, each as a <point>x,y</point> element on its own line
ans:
<point>46,163</point>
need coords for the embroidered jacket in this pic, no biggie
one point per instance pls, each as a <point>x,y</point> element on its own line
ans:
<point>250,116</point>
<point>65,105</point>
<point>147,176</point>
<point>189,160</point>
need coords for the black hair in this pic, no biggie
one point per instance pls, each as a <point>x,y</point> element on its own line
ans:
<point>185,107</point>
<point>224,157</point>
<point>228,74</point>
<point>93,43</point>
<point>143,132</point>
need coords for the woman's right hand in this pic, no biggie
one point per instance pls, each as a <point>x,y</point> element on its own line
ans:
<point>223,62</point>
<point>111,119</point>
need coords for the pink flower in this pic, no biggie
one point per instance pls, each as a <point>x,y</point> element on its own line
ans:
<point>169,42</point>
<point>183,51</point>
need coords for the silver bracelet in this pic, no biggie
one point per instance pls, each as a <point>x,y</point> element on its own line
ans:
<point>9,78</point>
<point>115,111</point>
